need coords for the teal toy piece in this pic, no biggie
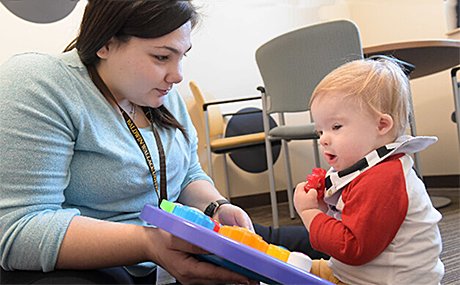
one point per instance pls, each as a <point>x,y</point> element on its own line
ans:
<point>190,214</point>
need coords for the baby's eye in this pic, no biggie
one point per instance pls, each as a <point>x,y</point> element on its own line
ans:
<point>320,133</point>
<point>336,127</point>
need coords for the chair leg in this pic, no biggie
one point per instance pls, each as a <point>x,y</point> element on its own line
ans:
<point>268,150</point>
<point>208,151</point>
<point>315,148</point>
<point>456,91</point>
<point>271,177</point>
<point>227,187</point>
<point>316,153</point>
<point>287,168</point>
<point>290,188</point>
<point>208,142</point>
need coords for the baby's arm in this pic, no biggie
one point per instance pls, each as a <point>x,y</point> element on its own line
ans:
<point>375,207</point>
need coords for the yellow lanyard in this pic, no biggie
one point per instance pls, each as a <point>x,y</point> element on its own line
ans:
<point>162,194</point>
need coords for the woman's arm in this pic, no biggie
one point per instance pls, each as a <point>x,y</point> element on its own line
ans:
<point>90,244</point>
<point>201,193</point>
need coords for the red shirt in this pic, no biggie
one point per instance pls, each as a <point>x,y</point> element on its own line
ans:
<point>376,204</point>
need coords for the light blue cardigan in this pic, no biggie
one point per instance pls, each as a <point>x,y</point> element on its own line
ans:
<point>64,151</point>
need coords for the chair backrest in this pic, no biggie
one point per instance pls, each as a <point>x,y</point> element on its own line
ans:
<point>216,120</point>
<point>294,63</point>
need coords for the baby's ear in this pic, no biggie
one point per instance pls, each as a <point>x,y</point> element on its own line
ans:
<point>385,124</point>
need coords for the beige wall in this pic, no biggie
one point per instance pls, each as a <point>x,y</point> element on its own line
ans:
<point>17,35</point>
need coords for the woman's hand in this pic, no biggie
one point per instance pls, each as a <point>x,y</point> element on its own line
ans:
<point>199,193</point>
<point>177,257</point>
<point>232,215</point>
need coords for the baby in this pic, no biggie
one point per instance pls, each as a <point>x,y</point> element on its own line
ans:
<point>379,225</point>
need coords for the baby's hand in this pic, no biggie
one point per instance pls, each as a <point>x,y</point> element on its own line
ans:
<point>316,181</point>
<point>305,200</point>
<point>306,204</point>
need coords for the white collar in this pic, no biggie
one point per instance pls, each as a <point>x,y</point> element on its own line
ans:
<point>336,180</point>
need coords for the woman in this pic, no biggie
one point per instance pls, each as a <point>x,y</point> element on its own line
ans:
<point>90,136</point>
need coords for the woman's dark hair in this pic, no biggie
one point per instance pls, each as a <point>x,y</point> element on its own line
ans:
<point>106,19</point>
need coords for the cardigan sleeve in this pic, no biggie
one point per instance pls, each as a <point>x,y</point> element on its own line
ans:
<point>36,146</point>
<point>376,204</point>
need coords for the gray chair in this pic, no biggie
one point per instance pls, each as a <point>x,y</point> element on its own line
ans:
<point>456,89</point>
<point>291,66</point>
<point>214,123</point>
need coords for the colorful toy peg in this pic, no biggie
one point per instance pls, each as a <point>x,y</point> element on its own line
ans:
<point>167,206</point>
<point>312,182</point>
<point>316,180</point>
<point>278,252</point>
<point>244,236</point>
<point>217,225</point>
<point>300,260</point>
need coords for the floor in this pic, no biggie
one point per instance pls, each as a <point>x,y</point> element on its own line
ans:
<point>449,227</point>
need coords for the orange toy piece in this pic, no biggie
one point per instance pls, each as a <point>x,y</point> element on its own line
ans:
<point>244,236</point>
<point>255,241</point>
<point>278,252</point>
<point>233,232</point>
<point>316,180</point>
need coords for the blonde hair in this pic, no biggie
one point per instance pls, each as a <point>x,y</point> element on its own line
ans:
<point>380,85</point>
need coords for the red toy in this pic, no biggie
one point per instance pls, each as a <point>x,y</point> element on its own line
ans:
<point>316,181</point>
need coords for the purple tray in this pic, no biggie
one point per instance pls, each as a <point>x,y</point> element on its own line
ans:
<point>231,251</point>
